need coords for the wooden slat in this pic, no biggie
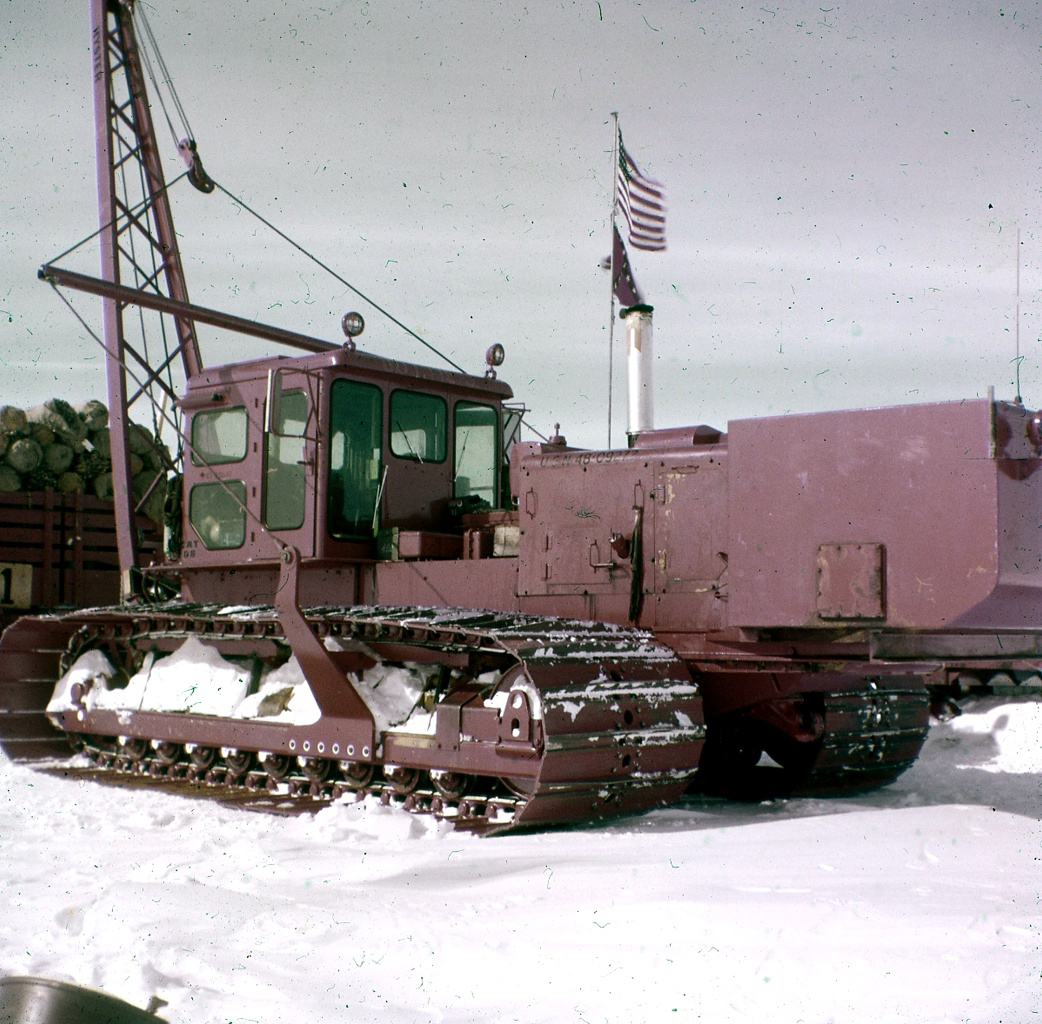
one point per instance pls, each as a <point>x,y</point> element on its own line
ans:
<point>70,541</point>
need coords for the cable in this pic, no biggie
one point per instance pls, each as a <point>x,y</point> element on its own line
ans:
<point>133,211</point>
<point>198,458</point>
<point>334,274</point>
<point>145,204</point>
<point>156,54</point>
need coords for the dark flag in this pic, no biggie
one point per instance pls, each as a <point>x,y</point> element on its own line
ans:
<point>623,286</point>
<point>643,204</point>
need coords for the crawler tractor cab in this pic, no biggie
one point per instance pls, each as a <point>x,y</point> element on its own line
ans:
<point>337,455</point>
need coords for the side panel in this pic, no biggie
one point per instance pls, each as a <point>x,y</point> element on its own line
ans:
<point>877,517</point>
<point>489,583</point>
<point>570,505</point>
<point>628,536</point>
<point>1016,603</point>
<point>687,547</point>
<point>61,549</point>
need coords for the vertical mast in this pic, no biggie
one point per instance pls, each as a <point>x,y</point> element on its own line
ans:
<point>138,249</point>
<point>611,259</point>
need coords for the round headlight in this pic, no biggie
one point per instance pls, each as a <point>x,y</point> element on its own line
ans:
<point>353,324</point>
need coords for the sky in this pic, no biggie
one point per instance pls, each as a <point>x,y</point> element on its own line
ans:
<point>846,189</point>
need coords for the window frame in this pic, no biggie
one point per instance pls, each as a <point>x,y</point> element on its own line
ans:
<point>274,439</point>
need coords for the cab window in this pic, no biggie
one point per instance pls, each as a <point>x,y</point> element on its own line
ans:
<point>219,436</point>
<point>355,458</point>
<point>284,482</point>
<point>475,460</point>
<point>217,512</point>
<point>418,426</point>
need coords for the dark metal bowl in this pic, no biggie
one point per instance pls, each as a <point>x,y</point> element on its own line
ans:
<point>25,1000</point>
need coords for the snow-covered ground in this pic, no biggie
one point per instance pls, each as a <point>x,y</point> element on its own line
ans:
<point>917,903</point>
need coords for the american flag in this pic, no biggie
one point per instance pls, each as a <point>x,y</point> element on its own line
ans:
<point>643,204</point>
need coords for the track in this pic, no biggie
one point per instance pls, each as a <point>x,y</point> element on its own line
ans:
<point>582,721</point>
<point>607,722</point>
<point>31,651</point>
<point>483,812</point>
<point>872,737</point>
<point>851,740</point>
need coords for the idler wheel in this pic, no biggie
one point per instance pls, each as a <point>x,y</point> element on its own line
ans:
<point>278,766</point>
<point>317,769</point>
<point>357,775</point>
<point>451,785</point>
<point>239,762</point>
<point>202,757</point>
<point>168,753</point>
<point>402,780</point>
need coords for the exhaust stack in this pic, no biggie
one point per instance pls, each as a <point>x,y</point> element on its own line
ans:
<point>639,363</point>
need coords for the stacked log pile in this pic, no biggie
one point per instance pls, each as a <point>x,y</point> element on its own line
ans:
<point>68,449</point>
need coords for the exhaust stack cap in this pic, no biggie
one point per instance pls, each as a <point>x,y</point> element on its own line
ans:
<point>558,438</point>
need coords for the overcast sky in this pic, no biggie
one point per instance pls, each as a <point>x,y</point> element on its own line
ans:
<point>845,185</point>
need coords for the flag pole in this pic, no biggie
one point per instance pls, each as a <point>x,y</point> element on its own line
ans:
<point>611,275</point>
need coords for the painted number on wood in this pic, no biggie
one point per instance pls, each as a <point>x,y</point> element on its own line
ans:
<point>16,584</point>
